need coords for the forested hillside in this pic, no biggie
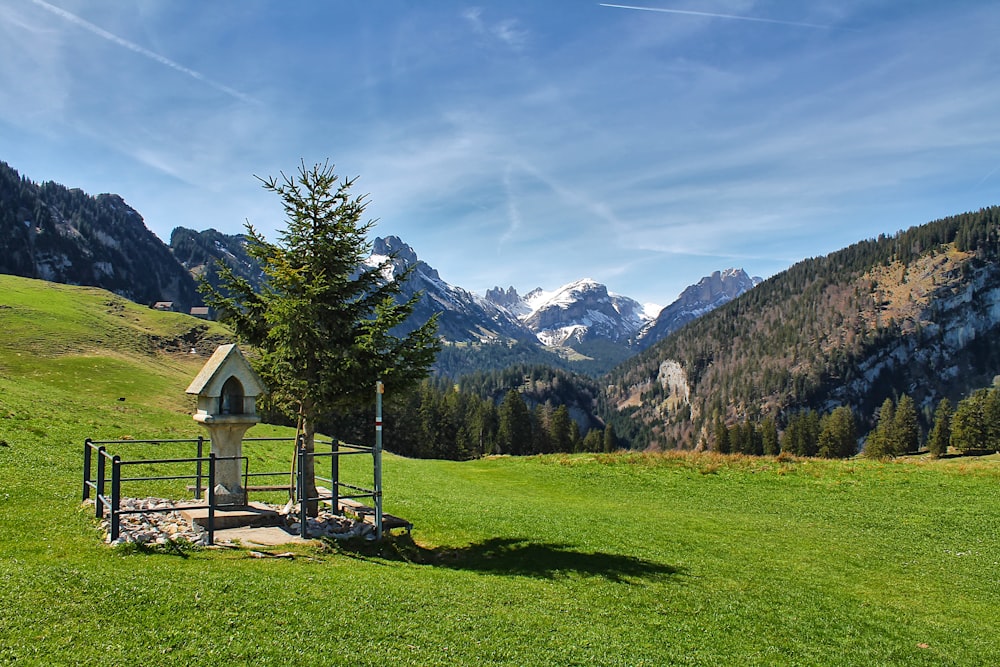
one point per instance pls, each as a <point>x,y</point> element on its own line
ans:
<point>200,252</point>
<point>914,313</point>
<point>522,409</point>
<point>64,235</point>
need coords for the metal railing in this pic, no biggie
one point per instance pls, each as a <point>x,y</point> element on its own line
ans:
<point>336,485</point>
<point>111,502</point>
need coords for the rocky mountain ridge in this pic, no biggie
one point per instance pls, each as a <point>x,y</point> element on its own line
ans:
<point>462,315</point>
<point>916,313</point>
<point>573,313</point>
<point>59,234</point>
<point>709,293</point>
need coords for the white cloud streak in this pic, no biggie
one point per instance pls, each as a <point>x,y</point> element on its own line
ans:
<point>687,12</point>
<point>135,48</point>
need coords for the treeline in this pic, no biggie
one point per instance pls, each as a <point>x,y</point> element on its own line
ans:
<point>973,426</point>
<point>456,360</point>
<point>519,410</point>
<point>807,433</point>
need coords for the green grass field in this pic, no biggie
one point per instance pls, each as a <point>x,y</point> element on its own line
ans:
<point>622,559</point>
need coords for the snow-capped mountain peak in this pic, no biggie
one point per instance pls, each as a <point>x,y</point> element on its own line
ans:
<point>579,311</point>
<point>706,295</point>
<point>462,315</point>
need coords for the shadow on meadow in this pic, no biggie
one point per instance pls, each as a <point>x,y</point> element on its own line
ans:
<point>514,557</point>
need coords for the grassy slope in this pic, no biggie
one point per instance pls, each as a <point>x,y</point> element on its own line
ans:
<point>616,560</point>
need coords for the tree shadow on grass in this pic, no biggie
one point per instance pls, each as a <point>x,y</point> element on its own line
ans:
<point>516,557</point>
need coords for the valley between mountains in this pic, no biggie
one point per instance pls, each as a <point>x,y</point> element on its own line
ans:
<point>912,314</point>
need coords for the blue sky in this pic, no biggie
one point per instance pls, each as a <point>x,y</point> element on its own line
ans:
<point>524,143</point>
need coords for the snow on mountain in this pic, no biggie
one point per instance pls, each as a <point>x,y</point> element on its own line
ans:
<point>580,314</point>
<point>462,315</point>
<point>577,312</point>
<point>708,294</point>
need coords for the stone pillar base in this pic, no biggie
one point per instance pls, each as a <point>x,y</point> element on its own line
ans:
<point>229,497</point>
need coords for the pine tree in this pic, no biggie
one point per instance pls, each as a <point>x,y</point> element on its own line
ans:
<point>769,436</point>
<point>542,437</point>
<point>838,434</point>
<point>969,428</point>
<point>881,440</point>
<point>559,426</point>
<point>906,430</point>
<point>940,435</point>
<point>321,323</point>
<point>721,436</point>
<point>610,442</point>
<point>514,430</point>
<point>594,440</point>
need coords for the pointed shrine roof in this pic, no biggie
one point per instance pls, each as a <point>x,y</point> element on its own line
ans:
<point>225,362</point>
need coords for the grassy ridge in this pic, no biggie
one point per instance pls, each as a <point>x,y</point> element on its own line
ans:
<point>556,560</point>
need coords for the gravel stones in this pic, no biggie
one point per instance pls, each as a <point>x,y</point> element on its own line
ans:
<point>156,522</point>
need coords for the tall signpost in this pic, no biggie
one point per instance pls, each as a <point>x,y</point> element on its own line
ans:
<point>377,454</point>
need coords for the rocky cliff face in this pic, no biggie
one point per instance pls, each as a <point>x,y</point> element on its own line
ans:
<point>583,311</point>
<point>945,340</point>
<point>63,235</point>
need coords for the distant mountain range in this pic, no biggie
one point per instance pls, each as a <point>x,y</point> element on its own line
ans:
<point>580,319</point>
<point>59,234</point>
<point>915,313</point>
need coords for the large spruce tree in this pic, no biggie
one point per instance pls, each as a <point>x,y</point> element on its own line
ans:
<point>322,324</point>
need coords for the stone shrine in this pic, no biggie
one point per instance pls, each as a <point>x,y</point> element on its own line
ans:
<point>227,389</point>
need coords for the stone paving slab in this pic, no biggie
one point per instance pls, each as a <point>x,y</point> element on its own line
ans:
<point>252,515</point>
<point>268,536</point>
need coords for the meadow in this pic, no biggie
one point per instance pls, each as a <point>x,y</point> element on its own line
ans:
<point>619,559</point>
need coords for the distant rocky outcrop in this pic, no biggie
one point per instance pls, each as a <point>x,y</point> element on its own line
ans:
<point>64,235</point>
<point>462,315</point>
<point>201,252</point>
<point>708,294</point>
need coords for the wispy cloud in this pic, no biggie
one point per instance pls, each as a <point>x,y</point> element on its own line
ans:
<point>513,212</point>
<point>132,46</point>
<point>688,12</point>
<point>508,31</point>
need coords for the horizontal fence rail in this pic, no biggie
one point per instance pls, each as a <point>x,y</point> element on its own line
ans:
<point>110,503</point>
<point>109,473</point>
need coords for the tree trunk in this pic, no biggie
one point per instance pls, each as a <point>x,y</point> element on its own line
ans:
<point>309,464</point>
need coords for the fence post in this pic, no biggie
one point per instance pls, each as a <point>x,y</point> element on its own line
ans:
<point>197,469</point>
<point>211,495</point>
<point>377,455</point>
<point>101,459</point>
<point>86,468</point>
<point>300,483</point>
<point>335,475</point>
<point>116,492</point>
